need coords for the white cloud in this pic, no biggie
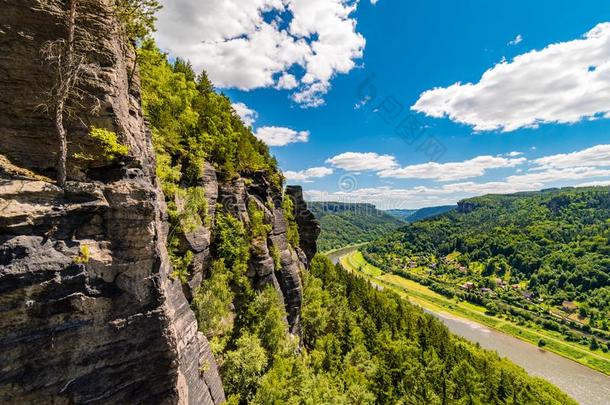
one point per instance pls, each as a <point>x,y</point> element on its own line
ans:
<point>556,175</point>
<point>355,161</point>
<point>514,154</point>
<point>306,175</point>
<point>452,171</point>
<point>601,183</point>
<point>311,96</point>
<point>418,197</point>
<point>563,83</point>
<point>286,82</point>
<point>248,115</point>
<point>280,136</point>
<point>556,170</point>
<point>253,44</point>
<point>518,39</point>
<point>588,163</point>
<point>595,156</point>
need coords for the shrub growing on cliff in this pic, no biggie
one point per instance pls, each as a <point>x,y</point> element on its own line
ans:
<point>194,212</point>
<point>277,258</point>
<point>212,302</point>
<point>108,145</point>
<point>258,227</point>
<point>180,263</point>
<point>232,242</point>
<point>292,233</point>
<point>84,255</point>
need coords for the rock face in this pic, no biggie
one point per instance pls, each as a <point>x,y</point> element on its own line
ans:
<point>88,312</point>
<point>284,271</point>
<point>309,227</point>
<point>465,206</point>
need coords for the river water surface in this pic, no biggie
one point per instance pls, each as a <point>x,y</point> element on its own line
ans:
<point>585,385</point>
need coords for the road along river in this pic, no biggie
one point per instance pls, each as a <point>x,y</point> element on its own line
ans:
<point>585,385</point>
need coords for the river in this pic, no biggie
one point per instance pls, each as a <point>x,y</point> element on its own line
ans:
<point>585,385</point>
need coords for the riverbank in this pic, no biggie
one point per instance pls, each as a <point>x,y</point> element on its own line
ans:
<point>434,302</point>
<point>345,248</point>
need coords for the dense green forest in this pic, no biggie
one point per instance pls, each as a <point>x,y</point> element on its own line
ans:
<point>540,258</point>
<point>363,346</point>
<point>422,213</point>
<point>349,223</point>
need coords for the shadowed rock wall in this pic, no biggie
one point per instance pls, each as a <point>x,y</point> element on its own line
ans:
<point>88,313</point>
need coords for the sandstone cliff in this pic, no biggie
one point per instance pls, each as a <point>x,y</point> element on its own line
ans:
<point>88,310</point>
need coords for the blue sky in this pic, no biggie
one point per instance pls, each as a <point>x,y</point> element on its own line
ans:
<point>494,96</point>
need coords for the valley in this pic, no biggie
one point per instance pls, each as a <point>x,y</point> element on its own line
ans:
<point>525,275</point>
<point>510,340</point>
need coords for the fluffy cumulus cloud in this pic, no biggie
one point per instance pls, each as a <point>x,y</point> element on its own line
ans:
<point>418,197</point>
<point>306,176</point>
<point>387,166</point>
<point>452,171</point>
<point>556,175</point>
<point>261,43</point>
<point>596,156</point>
<point>356,162</point>
<point>563,83</point>
<point>601,183</point>
<point>248,115</point>
<point>281,136</point>
<point>588,167</point>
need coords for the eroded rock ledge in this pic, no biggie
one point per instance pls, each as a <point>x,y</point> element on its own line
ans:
<point>88,312</point>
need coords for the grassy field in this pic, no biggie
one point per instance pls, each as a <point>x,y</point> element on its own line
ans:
<point>432,301</point>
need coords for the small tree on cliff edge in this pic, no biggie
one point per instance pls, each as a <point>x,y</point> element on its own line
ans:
<point>67,58</point>
<point>137,18</point>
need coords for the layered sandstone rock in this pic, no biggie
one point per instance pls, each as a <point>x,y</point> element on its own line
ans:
<point>309,227</point>
<point>88,312</point>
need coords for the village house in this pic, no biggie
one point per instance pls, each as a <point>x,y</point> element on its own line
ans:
<point>500,283</point>
<point>569,306</point>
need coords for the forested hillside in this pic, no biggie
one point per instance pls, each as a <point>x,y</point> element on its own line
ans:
<point>422,213</point>
<point>349,223</point>
<point>539,258</point>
